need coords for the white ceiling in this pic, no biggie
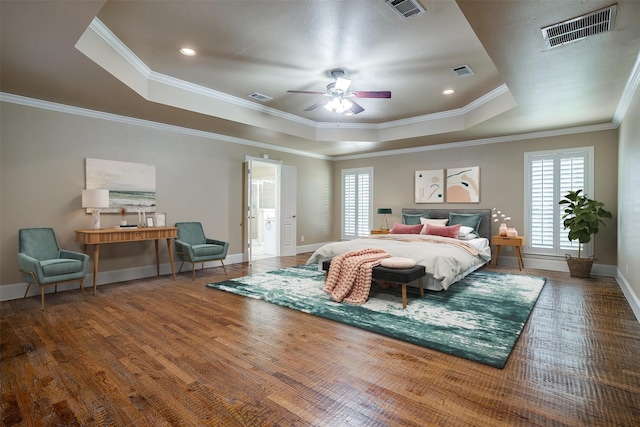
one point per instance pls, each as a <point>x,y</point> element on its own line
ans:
<point>126,62</point>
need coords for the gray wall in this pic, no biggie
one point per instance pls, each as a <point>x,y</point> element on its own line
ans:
<point>501,178</point>
<point>43,154</point>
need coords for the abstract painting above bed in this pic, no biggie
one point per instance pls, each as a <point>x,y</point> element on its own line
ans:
<point>446,259</point>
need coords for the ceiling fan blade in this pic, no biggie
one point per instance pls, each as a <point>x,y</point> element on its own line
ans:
<point>355,107</point>
<point>342,84</point>
<point>372,94</point>
<point>316,105</point>
<point>305,91</point>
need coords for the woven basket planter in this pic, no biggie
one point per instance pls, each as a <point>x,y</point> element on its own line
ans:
<point>580,267</point>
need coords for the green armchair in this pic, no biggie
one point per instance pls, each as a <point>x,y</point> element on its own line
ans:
<point>193,246</point>
<point>43,263</point>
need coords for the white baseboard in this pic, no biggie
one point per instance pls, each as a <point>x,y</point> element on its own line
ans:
<point>632,298</point>
<point>16,290</point>
<point>309,248</point>
<point>556,265</point>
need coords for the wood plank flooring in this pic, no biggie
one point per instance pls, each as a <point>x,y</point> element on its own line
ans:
<point>158,352</point>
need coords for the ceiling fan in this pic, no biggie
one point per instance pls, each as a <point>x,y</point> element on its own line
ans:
<point>338,98</point>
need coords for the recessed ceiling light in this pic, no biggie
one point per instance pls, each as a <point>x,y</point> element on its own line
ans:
<point>448,91</point>
<point>187,51</point>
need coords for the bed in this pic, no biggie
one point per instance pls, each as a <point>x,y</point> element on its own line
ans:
<point>447,260</point>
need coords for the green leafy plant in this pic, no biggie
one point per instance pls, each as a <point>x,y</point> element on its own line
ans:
<point>582,216</point>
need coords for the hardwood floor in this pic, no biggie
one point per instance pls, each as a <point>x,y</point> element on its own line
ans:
<point>158,352</point>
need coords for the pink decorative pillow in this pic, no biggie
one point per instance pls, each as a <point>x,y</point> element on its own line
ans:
<point>397,262</point>
<point>443,230</point>
<point>406,229</point>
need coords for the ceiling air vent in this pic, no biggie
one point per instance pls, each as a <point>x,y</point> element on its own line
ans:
<point>406,8</point>
<point>463,71</point>
<point>578,28</point>
<point>260,97</point>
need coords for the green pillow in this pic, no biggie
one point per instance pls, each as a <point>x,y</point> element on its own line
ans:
<point>413,219</point>
<point>468,220</point>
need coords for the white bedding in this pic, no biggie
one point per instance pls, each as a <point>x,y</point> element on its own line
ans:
<point>445,261</point>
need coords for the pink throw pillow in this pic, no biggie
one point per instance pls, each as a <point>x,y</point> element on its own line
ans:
<point>406,229</point>
<point>443,230</point>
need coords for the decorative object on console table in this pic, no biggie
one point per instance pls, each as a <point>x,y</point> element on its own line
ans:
<point>582,217</point>
<point>517,242</point>
<point>384,212</point>
<point>161,220</point>
<point>123,212</point>
<point>95,200</point>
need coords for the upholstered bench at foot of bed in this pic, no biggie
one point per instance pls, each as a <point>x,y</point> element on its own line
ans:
<point>396,275</point>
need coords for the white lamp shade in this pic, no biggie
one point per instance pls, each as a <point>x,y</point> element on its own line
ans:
<point>95,198</point>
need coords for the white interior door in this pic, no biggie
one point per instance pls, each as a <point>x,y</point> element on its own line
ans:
<point>288,209</point>
<point>248,204</point>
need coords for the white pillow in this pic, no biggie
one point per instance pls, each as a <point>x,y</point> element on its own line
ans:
<point>464,230</point>
<point>469,236</point>
<point>431,221</point>
<point>397,262</point>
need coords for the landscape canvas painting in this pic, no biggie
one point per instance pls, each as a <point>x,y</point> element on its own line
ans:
<point>131,185</point>
<point>429,186</point>
<point>463,185</point>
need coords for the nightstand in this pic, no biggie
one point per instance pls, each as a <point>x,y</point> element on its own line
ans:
<point>517,242</point>
<point>382,231</point>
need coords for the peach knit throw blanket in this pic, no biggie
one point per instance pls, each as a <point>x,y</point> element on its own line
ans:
<point>349,277</point>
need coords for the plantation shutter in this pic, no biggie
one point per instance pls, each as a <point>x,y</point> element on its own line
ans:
<point>356,202</point>
<point>542,204</point>
<point>551,175</point>
<point>571,179</point>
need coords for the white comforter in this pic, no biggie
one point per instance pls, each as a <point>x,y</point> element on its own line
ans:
<point>443,257</point>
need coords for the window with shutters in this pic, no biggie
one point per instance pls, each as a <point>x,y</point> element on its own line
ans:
<point>357,192</point>
<point>549,176</point>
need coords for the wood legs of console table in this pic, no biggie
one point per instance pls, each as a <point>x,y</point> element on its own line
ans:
<point>96,260</point>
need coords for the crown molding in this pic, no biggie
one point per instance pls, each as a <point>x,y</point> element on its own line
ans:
<point>68,109</point>
<point>101,45</point>
<point>47,105</point>
<point>483,141</point>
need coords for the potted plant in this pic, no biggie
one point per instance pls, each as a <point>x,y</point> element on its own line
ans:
<point>582,217</point>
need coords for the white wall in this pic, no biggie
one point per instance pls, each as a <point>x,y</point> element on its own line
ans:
<point>629,204</point>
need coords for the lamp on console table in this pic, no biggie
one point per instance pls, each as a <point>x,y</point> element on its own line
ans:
<point>384,212</point>
<point>95,200</point>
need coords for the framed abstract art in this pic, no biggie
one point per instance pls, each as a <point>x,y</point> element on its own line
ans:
<point>463,185</point>
<point>429,186</point>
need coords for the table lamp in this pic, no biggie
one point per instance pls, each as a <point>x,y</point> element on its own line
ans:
<point>384,212</point>
<point>95,200</point>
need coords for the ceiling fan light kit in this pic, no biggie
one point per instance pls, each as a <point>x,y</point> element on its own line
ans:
<point>338,105</point>
<point>337,93</point>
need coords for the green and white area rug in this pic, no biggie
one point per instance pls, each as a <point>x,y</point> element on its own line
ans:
<point>479,318</point>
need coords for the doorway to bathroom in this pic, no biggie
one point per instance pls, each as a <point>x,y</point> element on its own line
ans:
<point>263,209</point>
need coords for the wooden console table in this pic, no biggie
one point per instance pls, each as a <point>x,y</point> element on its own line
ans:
<point>120,235</point>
